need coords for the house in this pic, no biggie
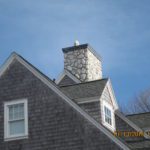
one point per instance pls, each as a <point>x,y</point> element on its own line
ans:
<point>78,111</point>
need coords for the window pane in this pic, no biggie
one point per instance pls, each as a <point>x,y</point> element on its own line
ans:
<point>109,113</point>
<point>16,111</point>
<point>108,120</point>
<point>10,112</point>
<point>21,111</point>
<point>17,127</point>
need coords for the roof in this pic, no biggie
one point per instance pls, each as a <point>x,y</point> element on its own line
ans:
<point>142,119</point>
<point>83,46</point>
<point>48,82</point>
<point>85,90</point>
<point>140,145</point>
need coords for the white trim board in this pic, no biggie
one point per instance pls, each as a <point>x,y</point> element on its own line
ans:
<point>111,92</point>
<point>6,64</point>
<point>67,73</point>
<point>53,87</point>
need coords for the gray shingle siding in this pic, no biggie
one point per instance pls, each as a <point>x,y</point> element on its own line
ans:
<point>121,125</point>
<point>93,109</point>
<point>53,124</point>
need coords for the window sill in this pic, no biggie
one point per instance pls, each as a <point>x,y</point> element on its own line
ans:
<point>112,128</point>
<point>16,138</point>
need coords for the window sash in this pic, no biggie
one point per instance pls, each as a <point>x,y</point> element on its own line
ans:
<point>15,128</point>
<point>108,120</point>
<point>14,111</point>
<point>108,115</point>
<point>13,115</point>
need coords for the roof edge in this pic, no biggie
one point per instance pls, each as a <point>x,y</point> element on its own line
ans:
<point>137,114</point>
<point>7,62</point>
<point>84,82</point>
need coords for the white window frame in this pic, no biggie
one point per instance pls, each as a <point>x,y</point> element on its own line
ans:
<point>8,137</point>
<point>110,107</point>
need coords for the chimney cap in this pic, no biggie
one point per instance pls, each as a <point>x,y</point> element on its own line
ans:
<point>76,43</point>
<point>82,46</point>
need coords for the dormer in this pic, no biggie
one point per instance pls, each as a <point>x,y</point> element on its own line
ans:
<point>96,98</point>
<point>82,81</point>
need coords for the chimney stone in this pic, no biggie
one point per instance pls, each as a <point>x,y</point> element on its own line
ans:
<point>83,62</point>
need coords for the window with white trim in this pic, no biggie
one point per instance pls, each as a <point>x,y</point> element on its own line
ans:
<point>15,119</point>
<point>108,115</point>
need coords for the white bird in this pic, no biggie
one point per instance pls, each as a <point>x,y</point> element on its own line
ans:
<point>76,43</point>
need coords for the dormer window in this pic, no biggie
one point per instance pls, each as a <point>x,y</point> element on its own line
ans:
<point>108,115</point>
<point>108,119</point>
<point>16,120</point>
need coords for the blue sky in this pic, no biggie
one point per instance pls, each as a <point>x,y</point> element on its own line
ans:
<point>119,30</point>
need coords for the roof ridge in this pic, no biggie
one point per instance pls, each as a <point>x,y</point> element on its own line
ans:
<point>138,114</point>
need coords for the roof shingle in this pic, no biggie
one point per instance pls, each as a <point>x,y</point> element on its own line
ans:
<point>85,90</point>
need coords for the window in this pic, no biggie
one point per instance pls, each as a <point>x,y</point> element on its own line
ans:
<point>16,119</point>
<point>108,115</point>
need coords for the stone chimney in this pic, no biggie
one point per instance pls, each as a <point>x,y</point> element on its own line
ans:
<point>83,62</point>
